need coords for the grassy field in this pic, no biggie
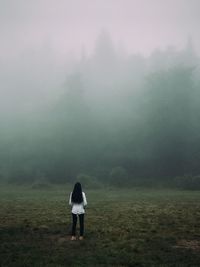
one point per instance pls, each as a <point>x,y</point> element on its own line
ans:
<point>136,227</point>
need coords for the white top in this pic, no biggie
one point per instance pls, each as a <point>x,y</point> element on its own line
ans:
<point>78,208</point>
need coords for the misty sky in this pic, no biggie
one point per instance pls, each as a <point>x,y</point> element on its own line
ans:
<point>42,39</point>
<point>65,26</point>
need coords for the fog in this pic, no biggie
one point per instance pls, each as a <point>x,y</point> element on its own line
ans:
<point>103,91</point>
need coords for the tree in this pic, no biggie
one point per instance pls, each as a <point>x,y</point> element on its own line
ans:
<point>168,119</point>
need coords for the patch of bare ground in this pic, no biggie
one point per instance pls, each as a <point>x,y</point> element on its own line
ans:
<point>59,239</point>
<point>193,245</point>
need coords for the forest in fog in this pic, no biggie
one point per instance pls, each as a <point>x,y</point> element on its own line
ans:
<point>111,117</point>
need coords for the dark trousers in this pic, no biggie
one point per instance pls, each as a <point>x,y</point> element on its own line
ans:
<point>81,221</point>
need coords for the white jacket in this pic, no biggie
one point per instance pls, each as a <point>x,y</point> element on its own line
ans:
<point>78,208</point>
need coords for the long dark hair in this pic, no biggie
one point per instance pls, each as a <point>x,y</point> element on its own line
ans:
<point>77,196</point>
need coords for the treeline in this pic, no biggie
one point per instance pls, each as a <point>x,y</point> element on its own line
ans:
<point>119,120</point>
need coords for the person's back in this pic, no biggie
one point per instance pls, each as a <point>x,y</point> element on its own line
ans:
<point>78,208</point>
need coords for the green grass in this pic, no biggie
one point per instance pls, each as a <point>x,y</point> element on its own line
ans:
<point>135,227</point>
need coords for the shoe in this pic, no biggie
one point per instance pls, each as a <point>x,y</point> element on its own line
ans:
<point>73,238</point>
<point>80,237</point>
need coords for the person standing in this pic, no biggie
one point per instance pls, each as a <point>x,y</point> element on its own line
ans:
<point>78,202</point>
